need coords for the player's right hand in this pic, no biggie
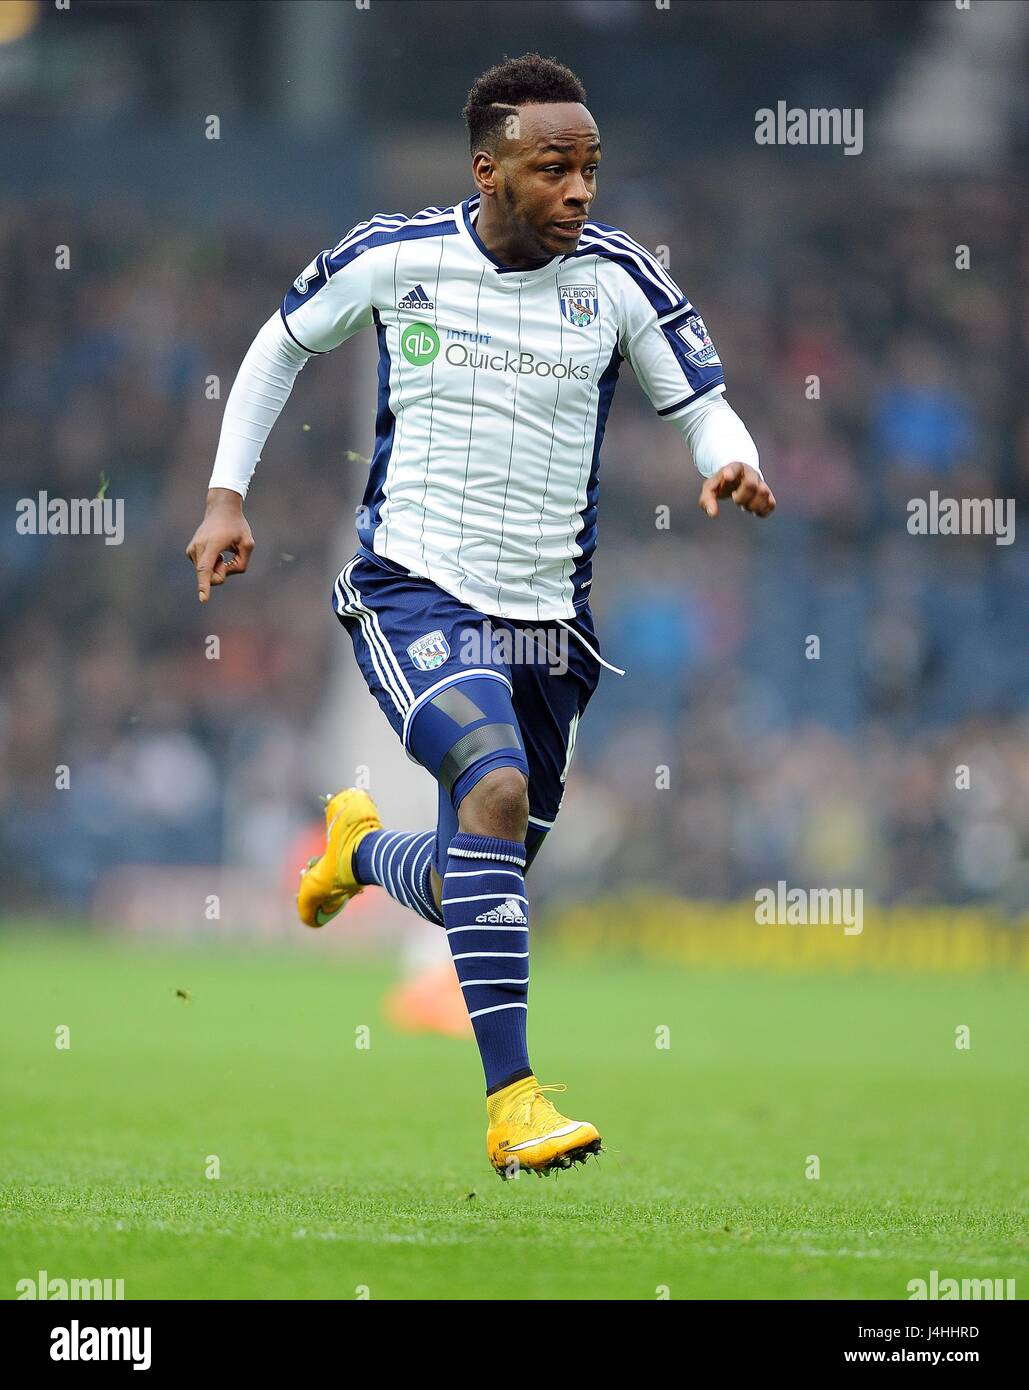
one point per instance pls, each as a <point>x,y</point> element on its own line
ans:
<point>224,528</point>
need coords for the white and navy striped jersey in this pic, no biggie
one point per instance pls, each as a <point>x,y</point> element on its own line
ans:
<point>494,389</point>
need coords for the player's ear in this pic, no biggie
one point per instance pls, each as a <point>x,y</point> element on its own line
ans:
<point>484,171</point>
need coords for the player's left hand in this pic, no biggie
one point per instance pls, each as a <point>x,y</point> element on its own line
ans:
<point>743,484</point>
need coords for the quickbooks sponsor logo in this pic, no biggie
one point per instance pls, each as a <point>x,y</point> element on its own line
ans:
<point>520,363</point>
<point>419,343</point>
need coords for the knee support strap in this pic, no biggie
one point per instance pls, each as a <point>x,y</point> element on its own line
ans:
<point>465,730</point>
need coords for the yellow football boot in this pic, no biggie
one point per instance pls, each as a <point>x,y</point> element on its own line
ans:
<point>525,1131</point>
<point>327,884</point>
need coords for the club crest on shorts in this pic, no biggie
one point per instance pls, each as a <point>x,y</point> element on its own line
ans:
<point>429,652</point>
<point>580,304</point>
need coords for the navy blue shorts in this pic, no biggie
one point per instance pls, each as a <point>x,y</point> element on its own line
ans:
<point>438,667</point>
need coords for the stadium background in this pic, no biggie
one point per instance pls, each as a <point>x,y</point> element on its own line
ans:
<point>192,776</point>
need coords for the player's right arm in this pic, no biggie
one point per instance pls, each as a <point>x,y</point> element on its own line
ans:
<point>327,303</point>
<point>224,528</point>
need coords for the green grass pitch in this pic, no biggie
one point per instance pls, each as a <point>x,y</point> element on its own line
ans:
<point>346,1169</point>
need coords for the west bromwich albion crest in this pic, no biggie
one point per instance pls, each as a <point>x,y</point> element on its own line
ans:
<point>579,304</point>
<point>429,652</point>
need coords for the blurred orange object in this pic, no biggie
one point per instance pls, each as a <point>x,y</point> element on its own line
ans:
<point>430,1002</point>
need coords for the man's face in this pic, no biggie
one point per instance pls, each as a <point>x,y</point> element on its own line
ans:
<point>546,176</point>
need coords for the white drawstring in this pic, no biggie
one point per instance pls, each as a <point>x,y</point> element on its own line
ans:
<point>596,655</point>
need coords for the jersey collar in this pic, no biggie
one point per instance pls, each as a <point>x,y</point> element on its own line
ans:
<point>508,277</point>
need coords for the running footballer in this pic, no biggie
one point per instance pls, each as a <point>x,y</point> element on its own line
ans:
<point>502,323</point>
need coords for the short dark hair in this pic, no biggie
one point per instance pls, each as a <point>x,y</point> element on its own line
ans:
<point>525,81</point>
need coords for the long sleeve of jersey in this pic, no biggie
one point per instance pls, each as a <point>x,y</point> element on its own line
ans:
<point>261,389</point>
<point>675,361</point>
<point>715,435</point>
<point>308,323</point>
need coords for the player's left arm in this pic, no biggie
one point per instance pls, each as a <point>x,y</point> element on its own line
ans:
<point>726,456</point>
<point>670,350</point>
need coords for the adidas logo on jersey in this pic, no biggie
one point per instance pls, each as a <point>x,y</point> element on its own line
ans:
<point>510,911</point>
<point>416,299</point>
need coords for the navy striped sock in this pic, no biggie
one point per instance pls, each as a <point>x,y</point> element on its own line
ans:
<point>399,861</point>
<point>487,920</point>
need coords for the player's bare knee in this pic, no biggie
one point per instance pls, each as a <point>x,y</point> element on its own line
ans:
<point>497,805</point>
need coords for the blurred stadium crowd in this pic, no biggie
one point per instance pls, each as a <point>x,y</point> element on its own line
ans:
<point>837,770</point>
